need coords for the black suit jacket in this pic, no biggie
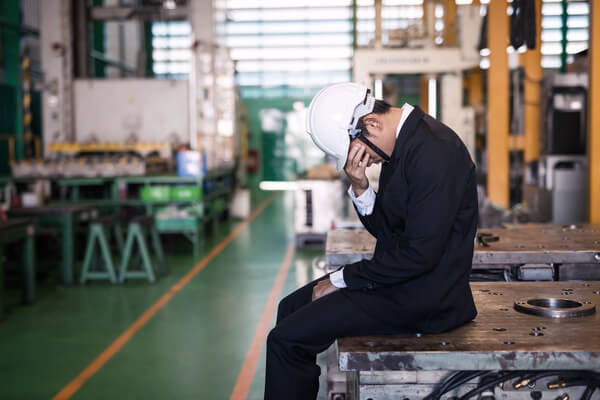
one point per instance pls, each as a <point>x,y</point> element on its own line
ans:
<point>425,221</point>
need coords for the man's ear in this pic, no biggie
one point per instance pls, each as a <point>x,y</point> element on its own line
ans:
<point>373,123</point>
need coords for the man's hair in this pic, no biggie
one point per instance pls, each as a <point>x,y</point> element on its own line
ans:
<point>380,107</point>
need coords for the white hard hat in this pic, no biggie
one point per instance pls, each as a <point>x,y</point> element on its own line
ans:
<point>332,117</point>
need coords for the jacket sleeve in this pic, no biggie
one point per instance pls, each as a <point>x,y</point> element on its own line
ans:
<point>371,221</point>
<point>436,187</point>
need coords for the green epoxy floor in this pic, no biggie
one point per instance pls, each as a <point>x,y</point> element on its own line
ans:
<point>193,348</point>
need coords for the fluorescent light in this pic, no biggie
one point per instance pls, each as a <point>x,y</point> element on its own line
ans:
<point>170,4</point>
<point>378,89</point>
<point>277,185</point>
<point>432,97</point>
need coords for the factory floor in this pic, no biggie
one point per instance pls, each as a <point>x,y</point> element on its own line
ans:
<point>197,333</point>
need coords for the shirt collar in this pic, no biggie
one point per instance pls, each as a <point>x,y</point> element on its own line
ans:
<point>406,110</point>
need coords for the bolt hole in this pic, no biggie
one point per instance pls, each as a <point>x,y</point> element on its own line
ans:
<point>499,329</point>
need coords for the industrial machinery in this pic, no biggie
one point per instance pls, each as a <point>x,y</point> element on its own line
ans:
<point>530,340</point>
<point>318,209</point>
<point>556,184</point>
<point>441,65</point>
<point>127,114</point>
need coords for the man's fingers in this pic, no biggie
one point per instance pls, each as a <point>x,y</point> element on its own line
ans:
<point>365,161</point>
<point>352,153</point>
<point>357,157</point>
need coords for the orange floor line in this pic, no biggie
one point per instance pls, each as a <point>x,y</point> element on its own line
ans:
<point>244,380</point>
<point>72,387</point>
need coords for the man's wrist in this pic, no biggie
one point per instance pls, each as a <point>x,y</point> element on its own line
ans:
<point>359,189</point>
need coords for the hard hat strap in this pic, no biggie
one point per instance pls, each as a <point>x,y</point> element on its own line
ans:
<point>376,149</point>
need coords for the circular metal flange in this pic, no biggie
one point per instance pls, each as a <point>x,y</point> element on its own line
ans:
<point>554,307</point>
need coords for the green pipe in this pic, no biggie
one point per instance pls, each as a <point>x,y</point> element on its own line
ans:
<point>22,29</point>
<point>10,36</point>
<point>98,44</point>
<point>563,40</point>
<point>148,48</point>
<point>101,58</point>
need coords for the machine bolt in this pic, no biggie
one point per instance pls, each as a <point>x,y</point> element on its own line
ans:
<point>536,395</point>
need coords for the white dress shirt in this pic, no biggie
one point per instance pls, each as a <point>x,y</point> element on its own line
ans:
<point>366,201</point>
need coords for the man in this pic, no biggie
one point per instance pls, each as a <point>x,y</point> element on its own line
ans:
<point>424,217</point>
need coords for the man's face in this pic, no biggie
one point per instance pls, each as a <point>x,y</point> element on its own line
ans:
<point>376,135</point>
<point>373,157</point>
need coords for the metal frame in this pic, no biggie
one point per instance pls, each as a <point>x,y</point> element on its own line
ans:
<point>12,231</point>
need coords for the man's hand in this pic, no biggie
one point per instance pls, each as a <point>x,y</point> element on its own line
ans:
<point>323,288</point>
<point>357,162</point>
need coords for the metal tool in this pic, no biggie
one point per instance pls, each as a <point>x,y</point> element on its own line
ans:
<point>485,239</point>
<point>555,307</point>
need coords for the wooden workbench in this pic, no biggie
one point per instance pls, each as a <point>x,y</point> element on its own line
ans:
<point>518,244</point>
<point>500,338</point>
<point>13,230</point>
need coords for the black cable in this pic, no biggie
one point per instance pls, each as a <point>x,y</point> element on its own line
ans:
<point>591,379</point>
<point>454,381</point>
<point>491,383</point>
<point>436,393</point>
<point>483,375</point>
<point>589,391</point>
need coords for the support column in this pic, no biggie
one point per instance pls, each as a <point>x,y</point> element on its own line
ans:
<point>57,69</point>
<point>498,105</point>
<point>450,23</point>
<point>424,93</point>
<point>593,147</point>
<point>203,123</point>
<point>475,85</point>
<point>533,77</point>
<point>378,23</point>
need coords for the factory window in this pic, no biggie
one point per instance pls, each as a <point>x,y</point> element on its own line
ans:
<point>306,43</point>
<point>398,19</point>
<point>576,29</point>
<point>286,44</point>
<point>171,42</point>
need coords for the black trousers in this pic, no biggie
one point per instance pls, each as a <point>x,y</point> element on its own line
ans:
<point>305,328</point>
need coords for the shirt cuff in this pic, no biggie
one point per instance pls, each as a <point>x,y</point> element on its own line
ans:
<point>337,278</point>
<point>365,202</point>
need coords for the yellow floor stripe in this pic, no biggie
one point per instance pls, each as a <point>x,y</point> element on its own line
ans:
<point>244,380</point>
<point>72,387</point>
